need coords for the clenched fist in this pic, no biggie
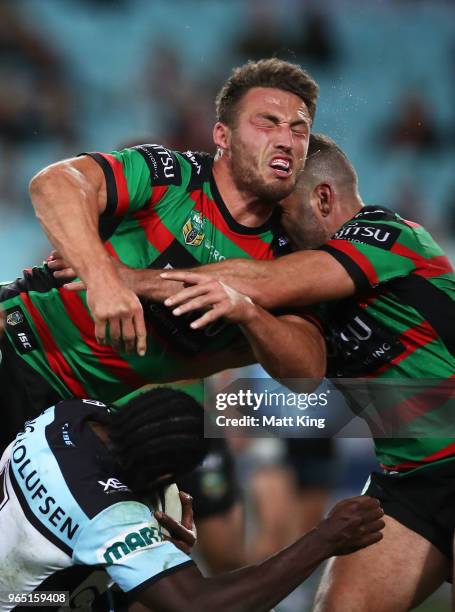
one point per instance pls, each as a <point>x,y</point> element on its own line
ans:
<point>353,524</point>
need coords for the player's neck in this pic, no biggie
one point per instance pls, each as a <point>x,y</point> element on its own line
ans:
<point>246,208</point>
<point>101,431</point>
<point>350,207</point>
<point>343,212</point>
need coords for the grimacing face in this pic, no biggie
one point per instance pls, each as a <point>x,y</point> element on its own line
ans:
<point>269,142</point>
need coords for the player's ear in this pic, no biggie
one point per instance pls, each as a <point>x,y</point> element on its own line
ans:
<point>325,198</point>
<point>221,135</point>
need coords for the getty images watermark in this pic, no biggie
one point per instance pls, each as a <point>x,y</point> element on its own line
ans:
<point>352,408</point>
<point>264,407</point>
<point>276,401</point>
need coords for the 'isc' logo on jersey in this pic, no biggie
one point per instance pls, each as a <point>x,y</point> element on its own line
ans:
<point>193,230</point>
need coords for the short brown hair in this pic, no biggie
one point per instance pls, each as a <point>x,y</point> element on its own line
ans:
<point>325,158</point>
<point>271,72</point>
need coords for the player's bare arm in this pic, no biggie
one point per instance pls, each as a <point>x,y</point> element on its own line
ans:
<point>351,525</point>
<point>287,346</point>
<point>145,283</point>
<point>68,198</point>
<point>294,280</point>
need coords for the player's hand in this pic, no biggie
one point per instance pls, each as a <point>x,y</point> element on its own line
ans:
<point>353,524</point>
<point>120,309</point>
<point>60,268</point>
<point>208,294</point>
<point>183,534</point>
<point>115,306</point>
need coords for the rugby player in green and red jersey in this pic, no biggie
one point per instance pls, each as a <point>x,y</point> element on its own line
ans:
<point>152,208</point>
<point>385,295</point>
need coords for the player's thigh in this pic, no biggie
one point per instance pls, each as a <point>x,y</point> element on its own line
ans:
<point>394,575</point>
<point>269,487</point>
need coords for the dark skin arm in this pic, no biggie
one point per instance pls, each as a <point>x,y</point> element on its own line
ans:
<point>352,525</point>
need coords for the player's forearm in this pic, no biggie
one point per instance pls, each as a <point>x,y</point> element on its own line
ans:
<point>250,589</point>
<point>351,525</point>
<point>286,347</point>
<point>66,205</point>
<point>258,588</point>
<point>243,274</point>
<point>148,284</point>
<point>295,280</point>
<point>250,277</point>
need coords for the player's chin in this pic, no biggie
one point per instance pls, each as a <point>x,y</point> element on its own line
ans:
<point>281,187</point>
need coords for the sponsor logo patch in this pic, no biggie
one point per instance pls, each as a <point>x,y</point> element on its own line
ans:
<point>112,485</point>
<point>379,235</point>
<point>94,402</point>
<point>127,543</point>
<point>197,166</point>
<point>162,163</point>
<point>66,435</point>
<point>357,344</point>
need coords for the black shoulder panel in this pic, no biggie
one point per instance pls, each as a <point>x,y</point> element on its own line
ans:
<point>376,213</point>
<point>86,465</point>
<point>201,168</point>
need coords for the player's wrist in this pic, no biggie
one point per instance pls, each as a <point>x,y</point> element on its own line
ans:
<point>145,283</point>
<point>102,273</point>
<point>318,540</point>
<point>249,312</point>
<point>329,538</point>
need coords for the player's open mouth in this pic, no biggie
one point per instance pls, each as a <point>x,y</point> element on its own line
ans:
<point>281,166</point>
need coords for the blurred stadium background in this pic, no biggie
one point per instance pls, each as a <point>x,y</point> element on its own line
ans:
<point>82,75</point>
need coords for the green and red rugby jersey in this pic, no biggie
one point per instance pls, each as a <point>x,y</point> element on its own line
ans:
<point>163,210</point>
<point>398,333</point>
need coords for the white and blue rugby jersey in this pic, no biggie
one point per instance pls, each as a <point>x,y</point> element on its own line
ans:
<point>61,490</point>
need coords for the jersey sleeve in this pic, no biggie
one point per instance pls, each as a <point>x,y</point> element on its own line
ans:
<point>137,177</point>
<point>127,541</point>
<point>373,252</point>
